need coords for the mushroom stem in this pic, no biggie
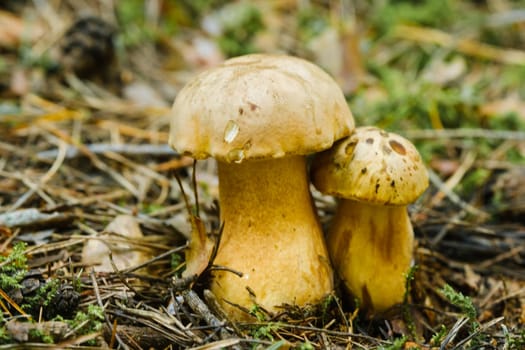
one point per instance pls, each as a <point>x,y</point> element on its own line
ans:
<point>271,234</point>
<point>371,249</point>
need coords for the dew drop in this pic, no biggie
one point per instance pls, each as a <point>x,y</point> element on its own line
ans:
<point>231,131</point>
<point>236,155</point>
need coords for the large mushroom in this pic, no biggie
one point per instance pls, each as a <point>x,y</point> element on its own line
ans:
<point>376,174</point>
<point>259,115</point>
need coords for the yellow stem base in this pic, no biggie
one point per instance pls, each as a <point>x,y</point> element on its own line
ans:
<point>371,248</point>
<point>271,235</point>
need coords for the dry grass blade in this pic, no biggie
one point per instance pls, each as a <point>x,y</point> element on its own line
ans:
<point>154,136</point>
<point>466,46</point>
<point>101,304</point>
<point>455,179</point>
<point>101,148</point>
<point>478,331</point>
<point>454,332</point>
<point>216,345</point>
<point>172,324</point>
<point>70,344</point>
<point>454,198</point>
<point>463,133</point>
<point>11,302</point>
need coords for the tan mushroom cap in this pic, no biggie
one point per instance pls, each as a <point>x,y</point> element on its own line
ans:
<point>372,166</point>
<point>259,106</point>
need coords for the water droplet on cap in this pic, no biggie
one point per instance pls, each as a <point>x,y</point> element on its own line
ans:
<point>236,155</point>
<point>231,131</point>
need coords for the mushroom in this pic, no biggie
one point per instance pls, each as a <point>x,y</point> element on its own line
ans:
<point>259,115</point>
<point>376,174</point>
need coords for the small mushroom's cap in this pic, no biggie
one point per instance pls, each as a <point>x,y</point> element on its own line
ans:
<point>259,106</point>
<point>373,166</point>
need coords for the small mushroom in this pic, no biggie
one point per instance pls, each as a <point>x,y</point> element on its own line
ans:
<point>376,174</point>
<point>259,115</point>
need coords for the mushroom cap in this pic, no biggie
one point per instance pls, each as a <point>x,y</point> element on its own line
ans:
<point>257,107</point>
<point>372,166</point>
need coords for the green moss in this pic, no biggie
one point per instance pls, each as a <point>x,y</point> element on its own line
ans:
<point>461,301</point>
<point>39,335</point>
<point>259,314</point>
<point>326,305</point>
<point>87,322</point>
<point>176,260</point>
<point>515,341</point>
<point>5,338</point>
<point>43,296</point>
<point>409,320</point>
<point>265,331</point>
<point>397,344</point>
<point>13,267</point>
<point>439,336</point>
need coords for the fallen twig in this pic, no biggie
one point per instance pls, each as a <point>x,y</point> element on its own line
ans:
<point>198,306</point>
<point>100,148</point>
<point>101,304</point>
<point>32,217</point>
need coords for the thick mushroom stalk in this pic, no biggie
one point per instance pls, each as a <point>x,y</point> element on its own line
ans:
<point>271,235</point>
<point>371,249</point>
<point>376,174</point>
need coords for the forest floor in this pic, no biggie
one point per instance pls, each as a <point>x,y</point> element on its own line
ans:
<point>85,93</point>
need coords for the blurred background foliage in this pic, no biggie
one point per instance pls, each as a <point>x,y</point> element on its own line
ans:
<point>403,65</point>
<point>401,83</point>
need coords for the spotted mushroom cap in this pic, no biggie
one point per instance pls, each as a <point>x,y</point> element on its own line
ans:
<point>259,106</point>
<point>373,166</point>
